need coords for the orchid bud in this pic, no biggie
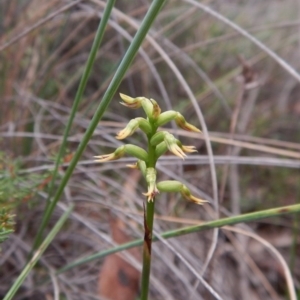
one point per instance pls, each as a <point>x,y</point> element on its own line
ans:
<point>182,123</point>
<point>170,141</point>
<point>132,126</point>
<point>158,137</point>
<point>136,151</point>
<point>148,108</point>
<point>176,186</point>
<point>144,125</point>
<point>119,152</point>
<point>160,149</point>
<point>172,145</point>
<point>169,186</point>
<point>170,115</point>
<point>156,109</point>
<point>166,117</point>
<point>164,139</point>
<point>131,102</point>
<point>132,150</point>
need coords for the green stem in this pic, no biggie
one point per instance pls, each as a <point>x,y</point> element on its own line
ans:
<point>293,249</point>
<point>147,245</point>
<point>254,216</point>
<point>148,226</point>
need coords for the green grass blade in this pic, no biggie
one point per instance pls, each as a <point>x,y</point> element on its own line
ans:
<point>111,90</point>
<point>10,294</point>
<point>84,79</point>
<point>254,216</point>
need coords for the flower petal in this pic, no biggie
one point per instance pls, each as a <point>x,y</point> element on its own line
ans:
<point>156,109</point>
<point>119,152</point>
<point>104,158</point>
<point>131,102</point>
<point>186,193</point>
<point>182,123</point>
<point>130,128</point>
<point>172,145</point>
<point>188,149</point>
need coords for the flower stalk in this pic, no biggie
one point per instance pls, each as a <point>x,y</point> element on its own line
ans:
<point>158,143</point>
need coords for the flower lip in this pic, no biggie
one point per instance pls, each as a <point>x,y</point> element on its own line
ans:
<point>196,200</point>
<point>175,149</point>
<point>150,175</point>
<point>151,194</point>
<point>186,193</point>
<point>104,158</point>
<point>131,105</point>
<point>164,139</point>
<point>188,149</point>
<point>172,145</point>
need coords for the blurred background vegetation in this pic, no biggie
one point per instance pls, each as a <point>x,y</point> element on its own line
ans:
<point>251,108</point>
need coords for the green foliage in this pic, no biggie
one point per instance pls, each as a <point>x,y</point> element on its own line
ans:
<point>14,190</point>
<point>6,224</point>
<point>9,195</point>
<point>18,282</point>
<point>12,186</point>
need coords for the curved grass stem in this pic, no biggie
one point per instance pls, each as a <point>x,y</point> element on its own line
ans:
<point>44,245</point>
<point>254,216</point>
